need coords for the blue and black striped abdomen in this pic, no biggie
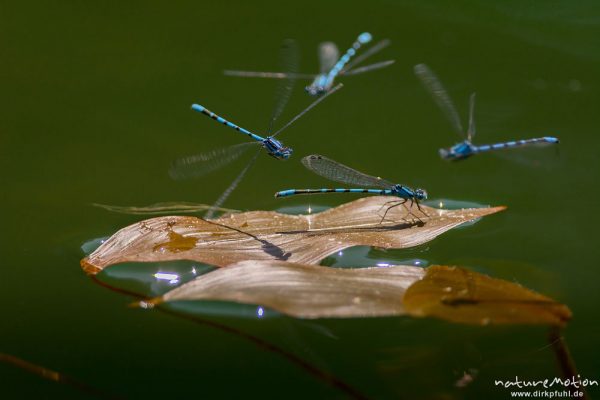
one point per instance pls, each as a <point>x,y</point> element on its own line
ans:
<point>547,140</point>
<point>363,38</point>
<point>293,192</point>
<point>212,115</point>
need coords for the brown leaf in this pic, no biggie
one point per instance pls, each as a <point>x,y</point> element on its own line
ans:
<point>460,295</point>
<point>311,291</point>
<point>268,235</point>
<point>306,291</point>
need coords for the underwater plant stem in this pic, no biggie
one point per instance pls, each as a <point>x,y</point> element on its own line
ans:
<point>54,376</point>
<point>563,356</point>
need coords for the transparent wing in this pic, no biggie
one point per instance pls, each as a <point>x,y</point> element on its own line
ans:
<point>529,158</point>
<point>217,205</point>
<point>368,53</point>
<point>328,55</point>
<point>288,61</point>
<point>163,208</point>
<point>433,85</point>
<point>307,109</point>
<point>368,68</point>
<point>201,164</point>
<point>471,131</point>
<point>337,172</point>
<point>274,75</point>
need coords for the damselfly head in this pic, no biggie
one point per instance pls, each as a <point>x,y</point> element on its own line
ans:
<point>549,140</point>
<point>276,149</point>
<point>314,90</point>
<point>420,194</point>
<point>283,153</point>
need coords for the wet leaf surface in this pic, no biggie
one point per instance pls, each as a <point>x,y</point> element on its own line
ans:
<point>268,235</point>
<point>310,291</point>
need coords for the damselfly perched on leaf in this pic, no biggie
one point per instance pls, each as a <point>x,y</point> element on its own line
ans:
<point>337,172</point>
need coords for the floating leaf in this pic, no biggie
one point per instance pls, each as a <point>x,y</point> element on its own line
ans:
<point>460,295</point>
<point>311,291</point>
<point>306,291</point>
<point>162,208</point>
<point>268,235</point>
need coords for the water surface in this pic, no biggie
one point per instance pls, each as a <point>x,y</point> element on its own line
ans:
<point>95,105</point>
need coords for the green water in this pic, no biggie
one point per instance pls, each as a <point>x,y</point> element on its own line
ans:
<point>95,105</point>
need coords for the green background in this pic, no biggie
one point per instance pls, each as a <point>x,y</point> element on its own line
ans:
<point>94,106</point>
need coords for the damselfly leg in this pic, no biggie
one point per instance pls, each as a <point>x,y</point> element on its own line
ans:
<point>396,203</point>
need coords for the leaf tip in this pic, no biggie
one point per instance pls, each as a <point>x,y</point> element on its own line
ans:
<point>459,295</point>
<point>89,268</point>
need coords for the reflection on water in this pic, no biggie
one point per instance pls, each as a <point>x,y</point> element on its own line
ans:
<point>365,256</point>
<point>415,262</point>
<point>172,278</point>
<point>302,209</point>
<point>213,308</point>
<point>92,244</point>
<point>151,279</point>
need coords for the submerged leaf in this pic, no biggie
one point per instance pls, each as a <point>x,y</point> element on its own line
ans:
<point>162,208</point>
<point>311,291</point>
<point>268,235</point>
<point>460,295</point>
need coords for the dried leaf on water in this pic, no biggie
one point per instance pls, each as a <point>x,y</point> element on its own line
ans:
<point>460,295</point>
<point>307,291</point>
<point>169,207</point>
<point>311,291</point>
<point>268,235</point>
